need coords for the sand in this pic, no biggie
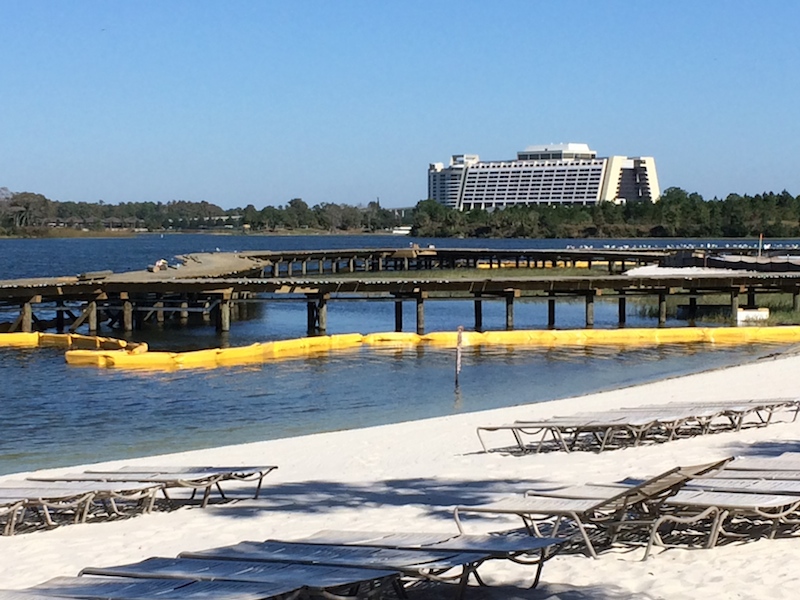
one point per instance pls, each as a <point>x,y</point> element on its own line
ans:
<point>408,477</point>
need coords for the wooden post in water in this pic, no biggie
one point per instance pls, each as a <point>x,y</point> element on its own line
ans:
<point>60,316</point>
<point>26,317</point>
<point>622,312</point>
<point>159,307</point>
<point>184,314</point>
<point>311,317</point>
<point>127,316</point>
<point>662,308</point>
<point>734,305</point>
<point>224,315</point>
<point>92,316</point>
<point>692,308</point>
<point>478,313</point>
<point>551,312</point>
<point>421,312</point>
<point>590,309</point>
<point>510,295</point>
<point>322,313</point>
<point>398,315</point>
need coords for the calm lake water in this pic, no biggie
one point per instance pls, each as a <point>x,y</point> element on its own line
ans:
<point>56,415</point>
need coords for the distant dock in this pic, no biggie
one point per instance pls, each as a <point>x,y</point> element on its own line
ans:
<point>214,288</point>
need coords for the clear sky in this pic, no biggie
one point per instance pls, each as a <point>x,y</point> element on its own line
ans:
<point>347,101</point>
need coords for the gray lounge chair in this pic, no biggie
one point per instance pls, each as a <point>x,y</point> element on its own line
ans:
<point>76,499</point>
<point>519,548</point>
<point>609,509</point>
<point>601,430</point>
<point>194,478</point>
<point>693,505</point>
<point>415,564</point>
<point>322,580</point>
<point>121,588</point>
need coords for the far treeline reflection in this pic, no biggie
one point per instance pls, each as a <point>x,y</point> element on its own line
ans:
<point>677,214</point>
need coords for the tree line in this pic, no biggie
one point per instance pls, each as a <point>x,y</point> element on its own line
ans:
<point>29,213</point>
<point>676,214</point>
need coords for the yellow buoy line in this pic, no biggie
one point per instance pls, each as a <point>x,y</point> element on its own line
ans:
<point>67,340</point>
<point>110,352</point>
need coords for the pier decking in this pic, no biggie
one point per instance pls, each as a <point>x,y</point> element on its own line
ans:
<point>218,287</point>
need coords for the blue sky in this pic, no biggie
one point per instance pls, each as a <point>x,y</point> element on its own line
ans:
<point>347,101</point>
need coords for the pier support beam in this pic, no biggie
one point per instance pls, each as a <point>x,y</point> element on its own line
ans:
<point>127,316</point>
<point>551,312</point>
<point>796,300</point>
<point>92,316</point>
<point>510,295</point>
<point>224,315</point>
<point>420,298</point>
<point>159,308</point>
<point>662,308</point>
<point>622,306</point>
<point>60,316</point>
<point>311,317</point>
<point>89,315</point>
<point>322,313</point>
<point>478,313</point>
<point>734,305</point>
<point>26,317</point>
<point>398,315</point>
<point>692,308</point>
<point>590,309</point>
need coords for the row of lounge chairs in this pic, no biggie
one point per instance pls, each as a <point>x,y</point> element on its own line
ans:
<point>604,430</point>
<point>733,498</point>
<point>329,564</point>
<point>75,497</point>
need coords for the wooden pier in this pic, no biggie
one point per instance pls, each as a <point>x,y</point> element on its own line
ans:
<point>216,288</point>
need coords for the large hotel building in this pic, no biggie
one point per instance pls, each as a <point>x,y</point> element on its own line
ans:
<point>552,174</point>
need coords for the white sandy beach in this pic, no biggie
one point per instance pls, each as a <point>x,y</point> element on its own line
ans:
<point>409,476</point>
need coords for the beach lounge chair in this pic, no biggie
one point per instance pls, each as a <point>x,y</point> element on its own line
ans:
<point>329,581</point>
<point>195,478</point>
<point>519,548</point>
<point>608,510</point>
<point>121,588</point>
<point>75,500</point>
<point>693,505</point>
<point>602,430</point>
<point>415,564</point>
<point>10,508</point>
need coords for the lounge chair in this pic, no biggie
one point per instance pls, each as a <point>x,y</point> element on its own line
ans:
<point>10,508</point>
<point>415,564</point>
<point>314,579</point>
<point>195,478</point>
<point>121,588</point>
<point>609,509</point>
<point>522,549</point>
<point>601,430</point>
<point>693,505</point>
<point>76,499</point>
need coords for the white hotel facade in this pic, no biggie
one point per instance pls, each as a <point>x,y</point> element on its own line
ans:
<point>547,174</point>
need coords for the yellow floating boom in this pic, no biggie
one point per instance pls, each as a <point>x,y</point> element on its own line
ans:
<point>109,352</point>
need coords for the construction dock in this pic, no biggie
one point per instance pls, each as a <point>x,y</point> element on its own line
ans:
<point>216,288</point>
